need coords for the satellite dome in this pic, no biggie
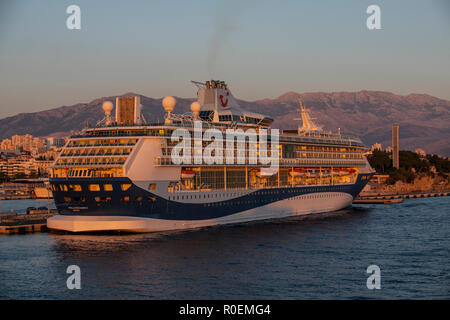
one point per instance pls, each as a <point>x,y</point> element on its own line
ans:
<point>195,107</point>
<point>169,103</point>
<point>107,107</point>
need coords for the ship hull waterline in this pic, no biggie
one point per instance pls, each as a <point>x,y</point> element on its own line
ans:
<point>303,205</point>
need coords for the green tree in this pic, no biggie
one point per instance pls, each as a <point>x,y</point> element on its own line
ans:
<point>441,165</point>
<point>410,160</point>
<point>380,161</point>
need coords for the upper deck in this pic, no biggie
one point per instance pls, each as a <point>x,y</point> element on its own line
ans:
<point>106,149</point>
<point>165,130</point>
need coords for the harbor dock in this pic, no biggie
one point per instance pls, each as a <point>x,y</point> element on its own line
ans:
<point>395,198</point>
<point>27,228</point>
<point>25,223</point>
<point>377,201</point>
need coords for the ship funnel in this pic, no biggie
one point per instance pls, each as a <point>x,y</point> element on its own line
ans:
<point>128,110</point>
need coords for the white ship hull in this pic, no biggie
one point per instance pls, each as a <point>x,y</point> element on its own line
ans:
<point>299,205</point>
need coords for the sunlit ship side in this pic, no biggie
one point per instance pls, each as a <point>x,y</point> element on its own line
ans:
<point>120,174</point>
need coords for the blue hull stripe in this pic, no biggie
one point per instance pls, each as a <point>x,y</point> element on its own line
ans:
<point>153,206</point>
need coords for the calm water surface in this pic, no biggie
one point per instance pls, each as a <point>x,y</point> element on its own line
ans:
<point>324,256</point>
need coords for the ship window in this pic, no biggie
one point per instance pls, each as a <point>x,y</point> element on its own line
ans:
<point>67,199</point>
<point>125,199</point>
<point>63,187</point>
<point>152,186</point>
<point>125,187</point>
<point>94,187</point>
<point>138,199</point>
<point>75,187</point>
<point>108,187</point>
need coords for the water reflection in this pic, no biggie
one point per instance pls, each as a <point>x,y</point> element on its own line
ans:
<point>202,263</point>
<point>318,256</point>
<point>93,243</point>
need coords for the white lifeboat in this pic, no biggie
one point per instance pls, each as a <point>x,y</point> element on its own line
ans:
<point>297,172</point>
<point>187,174</point>
<point>340,171</point>
<point>265,172</point>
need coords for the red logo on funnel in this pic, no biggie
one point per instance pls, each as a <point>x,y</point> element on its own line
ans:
<point>224,104</point>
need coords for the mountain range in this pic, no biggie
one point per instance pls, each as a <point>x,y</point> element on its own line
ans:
<point>424,120</point>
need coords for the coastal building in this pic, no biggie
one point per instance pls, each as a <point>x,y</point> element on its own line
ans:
<point>376,146</point>
<point>43,167</point>
<point>395,146</point>
<point>7,144</point>
<point>375,185</point>
<point>8,153</point>
<point>24,143</point>
<point>21,165</point>
<point>56,142</point>
<point>420,152</point>
<point>379,178</point>
<point>49,154</point>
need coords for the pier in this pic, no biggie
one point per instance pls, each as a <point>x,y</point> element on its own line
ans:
<point>395,198</point>
<point>377,201</point>
<point>25,223</point>
<point>18,197</point>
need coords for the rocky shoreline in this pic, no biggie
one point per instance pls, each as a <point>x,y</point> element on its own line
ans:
<point>421,184</point>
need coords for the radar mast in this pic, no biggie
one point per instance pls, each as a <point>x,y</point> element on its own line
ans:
<point>308,123</point>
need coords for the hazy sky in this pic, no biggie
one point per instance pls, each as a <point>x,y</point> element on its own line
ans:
<point>261,48</point>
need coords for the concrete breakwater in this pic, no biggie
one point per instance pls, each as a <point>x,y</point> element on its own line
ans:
<point>396,198</point>
<point>24,223</point>
<point>379,201</point>
<point>17,197</point>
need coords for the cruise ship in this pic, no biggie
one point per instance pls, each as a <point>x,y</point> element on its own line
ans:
<point>121,175</point>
